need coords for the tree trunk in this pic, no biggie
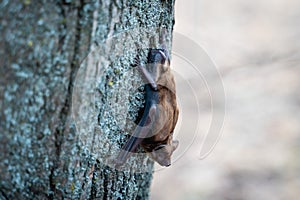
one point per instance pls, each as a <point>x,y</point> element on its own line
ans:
<point>67,88</point>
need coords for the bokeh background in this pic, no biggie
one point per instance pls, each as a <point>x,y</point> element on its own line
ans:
<point>255,46</point>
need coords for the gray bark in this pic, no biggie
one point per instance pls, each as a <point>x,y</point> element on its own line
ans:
<point>44,46</point>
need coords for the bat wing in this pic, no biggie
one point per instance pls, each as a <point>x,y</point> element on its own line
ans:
<point>141,131</point>
<point>148,77</point>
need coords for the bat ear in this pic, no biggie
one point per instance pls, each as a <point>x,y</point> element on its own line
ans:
<point>175,144</point>
<point>161,158</point>
<point>165,60</point>
<point>161,155</point>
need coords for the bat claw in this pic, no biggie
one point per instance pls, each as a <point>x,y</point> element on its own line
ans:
<point>136,62</point>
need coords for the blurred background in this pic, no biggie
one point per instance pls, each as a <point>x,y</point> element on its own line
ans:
<point>255,46</point>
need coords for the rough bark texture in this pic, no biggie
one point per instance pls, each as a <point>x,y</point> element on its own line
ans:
<point>42,46</point>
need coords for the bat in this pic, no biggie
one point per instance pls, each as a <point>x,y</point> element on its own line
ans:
<point>154,131</point>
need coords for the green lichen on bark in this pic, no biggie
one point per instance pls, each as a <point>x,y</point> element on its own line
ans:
<point>42,46</point>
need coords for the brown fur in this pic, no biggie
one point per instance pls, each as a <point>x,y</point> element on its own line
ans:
<point>162,133</point>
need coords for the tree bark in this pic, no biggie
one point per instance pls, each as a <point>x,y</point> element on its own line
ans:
<point>55,148</point>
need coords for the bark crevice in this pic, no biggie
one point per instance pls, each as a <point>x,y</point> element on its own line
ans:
<point>65,111</point>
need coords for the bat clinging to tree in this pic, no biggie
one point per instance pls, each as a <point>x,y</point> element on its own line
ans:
<point>155,129</point>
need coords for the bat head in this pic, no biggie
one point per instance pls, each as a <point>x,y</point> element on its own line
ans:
<point>159,62</point>
<point>162,153</point>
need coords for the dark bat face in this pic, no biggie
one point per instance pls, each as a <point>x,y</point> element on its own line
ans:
<point>158,63</point>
